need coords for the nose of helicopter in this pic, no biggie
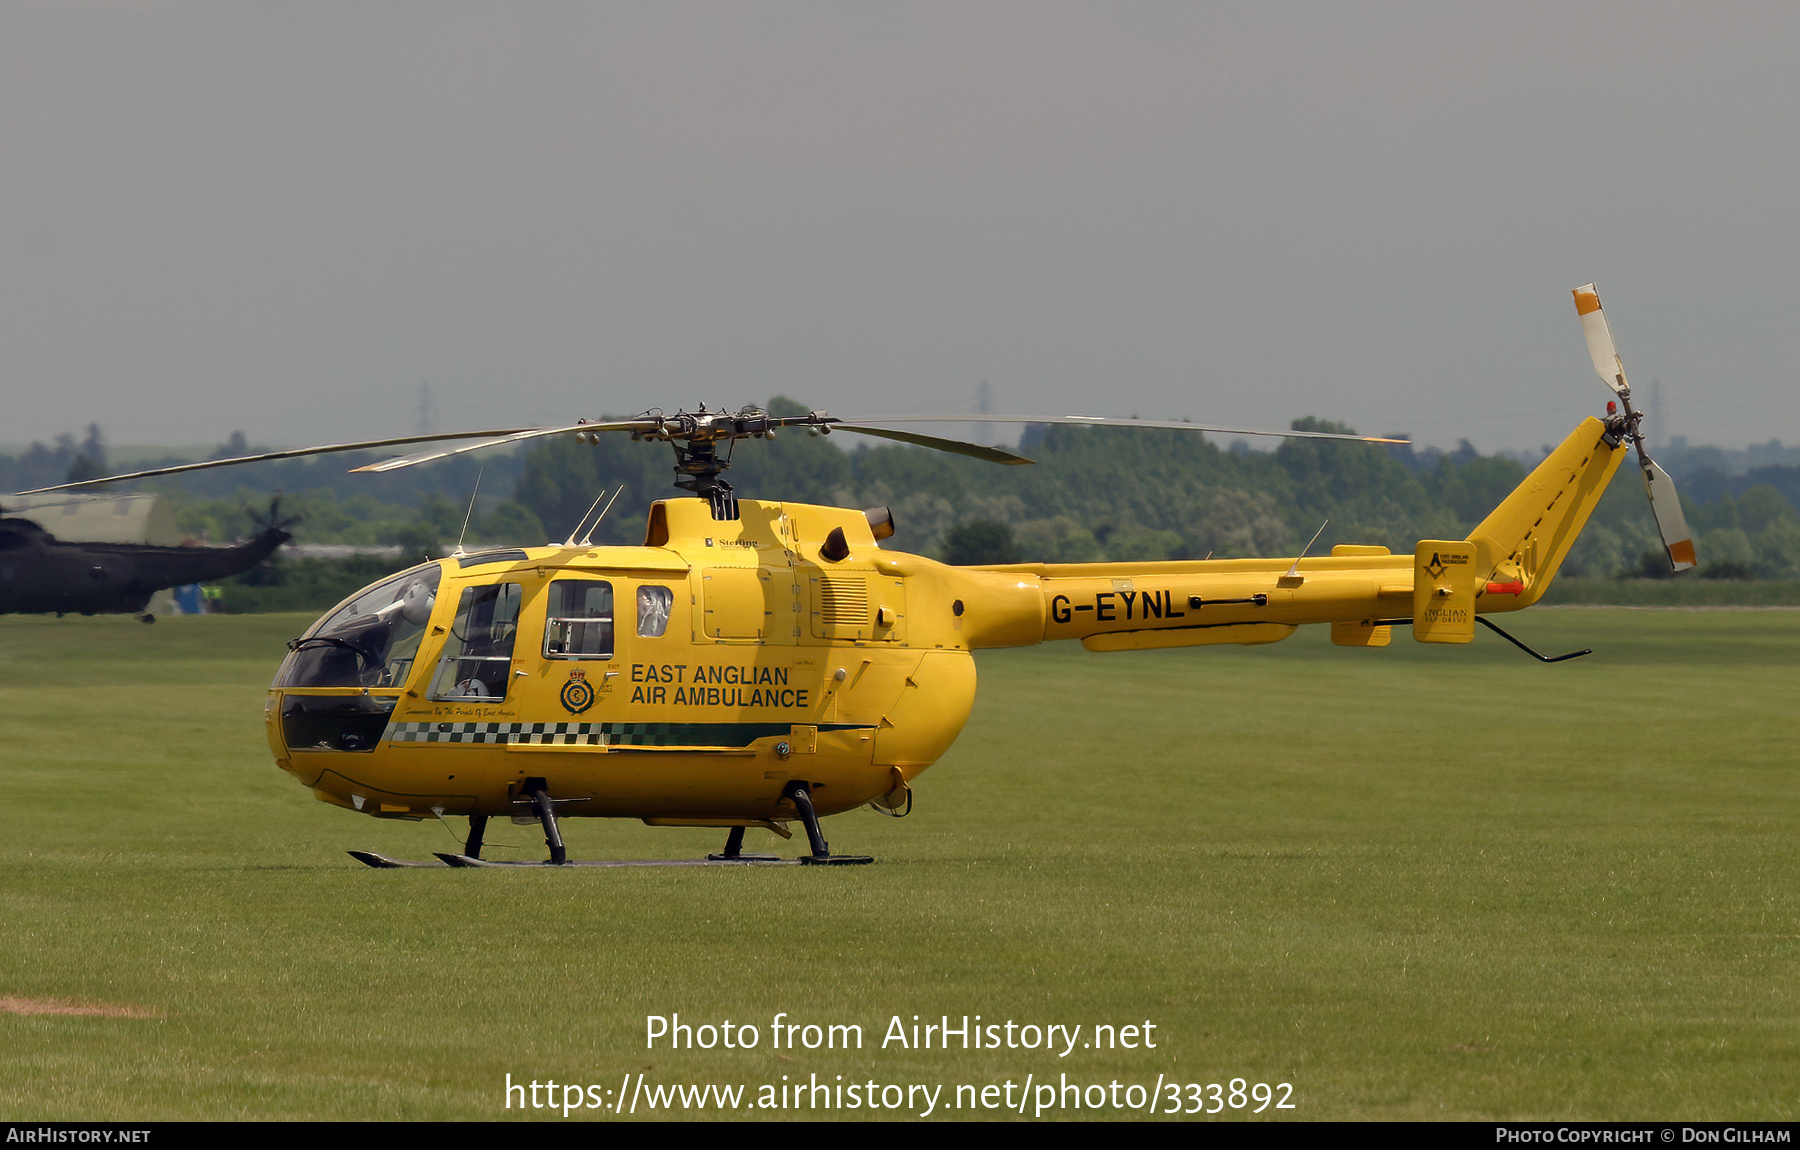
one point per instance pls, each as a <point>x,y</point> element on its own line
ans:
<point>301,721</point>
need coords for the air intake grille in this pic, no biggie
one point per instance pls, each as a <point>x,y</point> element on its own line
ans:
<point>843,602</point>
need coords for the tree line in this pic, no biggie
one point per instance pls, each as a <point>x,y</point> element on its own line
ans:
<point>1094,494</point>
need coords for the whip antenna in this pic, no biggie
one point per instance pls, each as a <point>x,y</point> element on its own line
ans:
<point>470,513</point>
<point>586,539</point>
<point>1295,569</point>
<point>570,541</point>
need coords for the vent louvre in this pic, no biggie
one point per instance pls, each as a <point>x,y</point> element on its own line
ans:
<point>843,602</point>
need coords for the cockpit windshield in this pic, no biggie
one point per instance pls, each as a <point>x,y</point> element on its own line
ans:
<point>370,639</point>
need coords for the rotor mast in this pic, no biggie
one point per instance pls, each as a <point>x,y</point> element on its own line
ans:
<point>697,436</point>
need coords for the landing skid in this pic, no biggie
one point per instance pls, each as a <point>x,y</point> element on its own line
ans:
<point>383,862</point>
<point>796,792</point>
<point>746,860</point>
<point>445,858</point>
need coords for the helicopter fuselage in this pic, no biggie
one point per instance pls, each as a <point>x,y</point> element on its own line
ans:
<point>693,680</point>
<point>684,682</point>
<point>40,573</point>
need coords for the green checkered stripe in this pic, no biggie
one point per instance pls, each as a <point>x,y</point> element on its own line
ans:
<point>568,734</point>
<point>597,734</point>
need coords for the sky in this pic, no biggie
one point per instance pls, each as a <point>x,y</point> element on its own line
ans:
<point>290,218</point>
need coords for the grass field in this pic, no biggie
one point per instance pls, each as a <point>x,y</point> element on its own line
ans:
<point>1682,591</point>
<point>1413,883</point>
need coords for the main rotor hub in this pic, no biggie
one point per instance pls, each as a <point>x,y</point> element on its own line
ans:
<point>697,435</point>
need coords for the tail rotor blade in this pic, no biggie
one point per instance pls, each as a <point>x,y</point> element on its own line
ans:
<point>1664,503</point>
<point>1599,339</point>
<point>1666,506</point>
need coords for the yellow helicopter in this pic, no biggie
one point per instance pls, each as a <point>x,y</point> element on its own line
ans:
<point>756,663</point>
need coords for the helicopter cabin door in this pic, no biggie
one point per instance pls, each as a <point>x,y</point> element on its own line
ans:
<point>579,665</point>
<point>475,665</point>
<point>576,642</point>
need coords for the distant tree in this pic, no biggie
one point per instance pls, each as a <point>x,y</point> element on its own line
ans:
<point>1058,540</point>
<point>561,480</point>
<point>1727,550</point>
<point>1778,549</point>
<point>1234,524</point>
<point>232,448</point>
<point>793,465</point>
<point>84,468</point>
<point>513,523</point>
<point>417,543</point>
<point>1130,543</point>
<point>1654,565</point>
<point>1113,493</point>
<point>980,542</point>
<point>424,536</point>
<point>1761,506</point>
<point>1727,569</point>
<point>94,447</point>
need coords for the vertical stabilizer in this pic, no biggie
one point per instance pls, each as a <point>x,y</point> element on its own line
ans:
<point>1522,544</point>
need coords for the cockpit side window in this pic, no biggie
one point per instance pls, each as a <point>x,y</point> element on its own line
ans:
<point>653,605</point>
<point>476,665</point>
<point>579,623</point>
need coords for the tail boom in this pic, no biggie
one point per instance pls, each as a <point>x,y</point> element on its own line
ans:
<point>1506,563</point>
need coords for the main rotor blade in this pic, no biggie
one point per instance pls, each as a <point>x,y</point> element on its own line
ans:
<point>1599,339</point>
<point>959,447</point>
<point>1107,421</point>
<point>400,461</point>
<point>1670,522</point>
<point>295,453</point>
